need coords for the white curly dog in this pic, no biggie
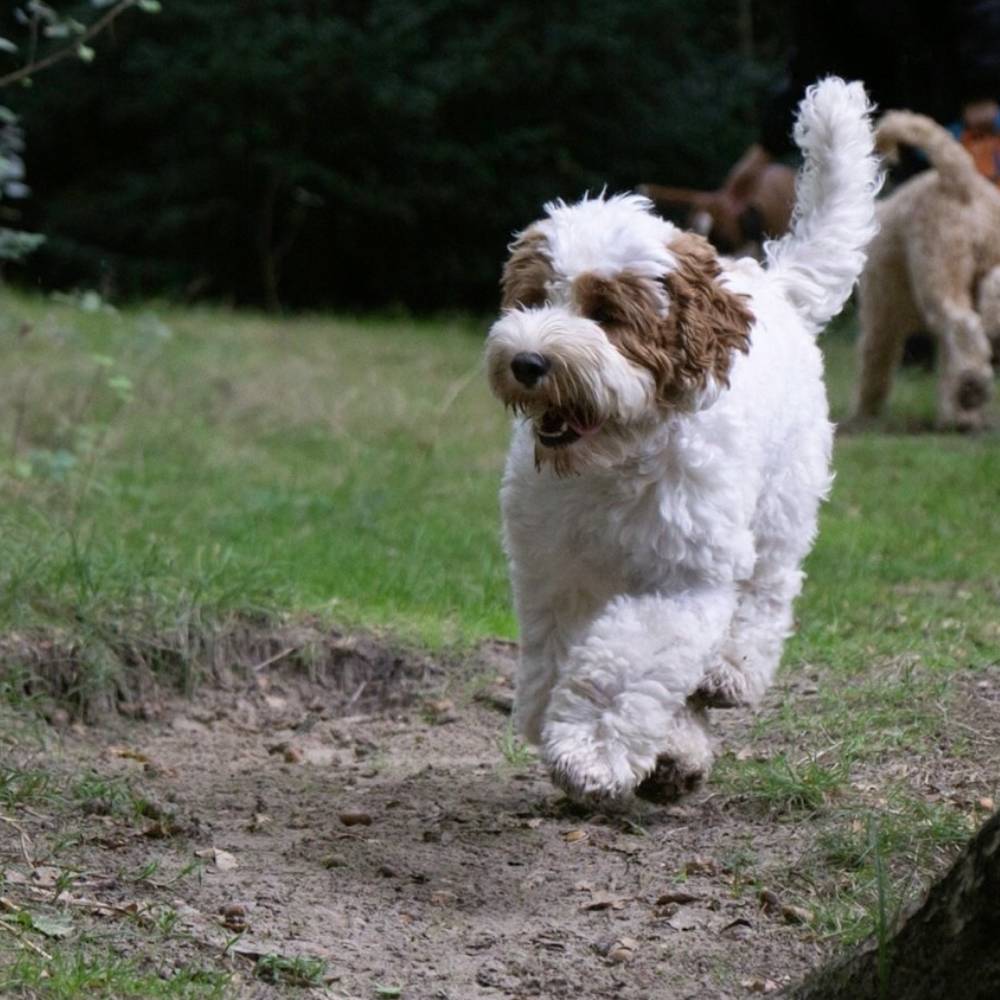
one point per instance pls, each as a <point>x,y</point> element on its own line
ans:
<point>671,449</point>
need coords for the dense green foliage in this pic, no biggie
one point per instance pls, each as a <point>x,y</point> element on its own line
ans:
<point>369,153</point>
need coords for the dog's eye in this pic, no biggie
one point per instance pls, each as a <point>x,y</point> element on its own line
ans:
<point>600,312</point>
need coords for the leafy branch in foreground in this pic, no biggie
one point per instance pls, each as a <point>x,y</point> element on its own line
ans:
<point>43,21</point>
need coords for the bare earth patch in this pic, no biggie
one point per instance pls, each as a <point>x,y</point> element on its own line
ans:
<point>412,849</point>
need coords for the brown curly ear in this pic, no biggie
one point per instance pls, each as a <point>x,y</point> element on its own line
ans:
<point>705,323</point>
<point>527,272</point>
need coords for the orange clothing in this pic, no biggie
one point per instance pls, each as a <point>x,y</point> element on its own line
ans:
<point>985,150</point>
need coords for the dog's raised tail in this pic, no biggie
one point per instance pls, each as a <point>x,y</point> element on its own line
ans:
<point>819,260</point>
<point>949,158</point>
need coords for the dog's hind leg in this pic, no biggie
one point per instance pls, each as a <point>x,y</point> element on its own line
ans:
<point>965,380</point>
<point>943,289</point>
<point>752,650</point>
<point>988,304</point>
<point>887,315</point>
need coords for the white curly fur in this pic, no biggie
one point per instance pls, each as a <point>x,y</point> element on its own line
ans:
<point>668,563</point>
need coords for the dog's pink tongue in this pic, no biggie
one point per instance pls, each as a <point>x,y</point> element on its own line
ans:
<point>585,429</point>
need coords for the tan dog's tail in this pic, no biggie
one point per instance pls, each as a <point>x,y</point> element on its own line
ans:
<point>948,157</point>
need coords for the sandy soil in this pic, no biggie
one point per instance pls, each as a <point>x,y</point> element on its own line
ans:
<point>399,844</point>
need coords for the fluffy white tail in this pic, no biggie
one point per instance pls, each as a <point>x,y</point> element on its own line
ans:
<point>820,259</point>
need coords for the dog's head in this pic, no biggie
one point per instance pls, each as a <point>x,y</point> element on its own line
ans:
<point>611,318</point>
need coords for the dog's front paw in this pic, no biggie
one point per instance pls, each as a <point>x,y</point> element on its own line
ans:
<point>596,772</point>
<point>724,686</point>
<point>682,766</point>
<point>670,780</point>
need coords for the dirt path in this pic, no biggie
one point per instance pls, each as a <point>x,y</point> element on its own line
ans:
<point>407,851</point>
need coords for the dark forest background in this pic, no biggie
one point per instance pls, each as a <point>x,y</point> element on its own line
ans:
<point>346,154</point>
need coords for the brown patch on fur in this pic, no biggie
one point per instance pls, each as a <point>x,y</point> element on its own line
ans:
<point>705,321</point>
<point>709,321</point>
<point>526,273</point>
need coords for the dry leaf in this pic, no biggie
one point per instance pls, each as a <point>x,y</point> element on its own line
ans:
<point>701,865</point>
<point>163,828</point>
<point>796,914</point>
<point>761,985</point>
<point>675,896</point>
<point>223,860</point>
<point>234,917</point>
<point>684,920</point>
<point>604,901</point>
<point>441,711</point>
<point>355,818</point>
<point>739,930</point>
<point>623,950</point>
<point>575,836</point>
<point>260,821</point>
<point>53,927</point>
<point>45,876</point>
<point>769,901</point>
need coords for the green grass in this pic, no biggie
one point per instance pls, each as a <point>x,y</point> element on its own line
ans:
<point>297,971</point>
<point>71,974</point>
<point>782,786</point>
<point>867,864</point>
<point>23,785</point>
<point>515,752</point>
<point>164,468</point>
<point>160,471</point>
<point>50,949</point>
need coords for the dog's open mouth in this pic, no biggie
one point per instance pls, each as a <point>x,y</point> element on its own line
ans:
<point>559,428</point>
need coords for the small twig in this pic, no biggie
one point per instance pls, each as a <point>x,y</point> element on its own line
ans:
<point>274,659</point>
<point>833,746</point>
<point>12,907</point>
<point>357,694</point>
<point>24,939</point>
<point>25,840</point>
<point>70,50</point>
<point>980,736</point>
<point>96,906</point>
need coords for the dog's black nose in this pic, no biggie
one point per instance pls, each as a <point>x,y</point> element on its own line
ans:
<point>528,367</point>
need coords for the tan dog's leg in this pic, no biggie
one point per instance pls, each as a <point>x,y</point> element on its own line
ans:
<point>988,303</point>
<point>887,315</point>
<point>942,281</point>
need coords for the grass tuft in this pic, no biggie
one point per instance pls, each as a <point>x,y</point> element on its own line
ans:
<point>298,971</point>
<point>69,975</point>
<point>782,786</point>
<point>515,752</point>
